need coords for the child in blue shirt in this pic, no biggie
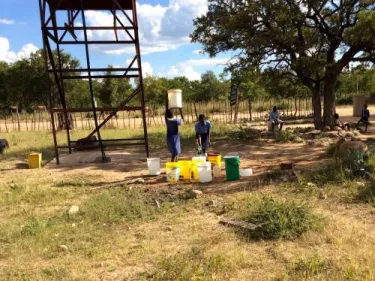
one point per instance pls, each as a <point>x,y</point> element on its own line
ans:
<point>173,136</point>
<point>203,132</point>
<point>364,117</point>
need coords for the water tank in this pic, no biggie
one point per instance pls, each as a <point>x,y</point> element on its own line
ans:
<point>175,98</point>
<point>358,102</point>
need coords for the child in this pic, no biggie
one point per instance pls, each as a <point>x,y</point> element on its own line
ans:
<point>364,117</point>
<point>339,124</point>
<point>275,119</point>
<point>203,133</point>
<point>173,137</point>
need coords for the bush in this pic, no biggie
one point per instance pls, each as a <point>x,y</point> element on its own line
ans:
<point>285,136</point>
<point>331,150</point>
<point>333,173</point>
<point>286,220</point>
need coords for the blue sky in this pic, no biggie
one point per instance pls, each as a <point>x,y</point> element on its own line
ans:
<point>164,29</point>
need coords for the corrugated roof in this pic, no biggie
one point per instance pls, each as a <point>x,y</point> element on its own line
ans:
<point>89,4</point>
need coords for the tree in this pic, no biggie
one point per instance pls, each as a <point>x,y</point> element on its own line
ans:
<point>314,40</point>
<point>113,90</point>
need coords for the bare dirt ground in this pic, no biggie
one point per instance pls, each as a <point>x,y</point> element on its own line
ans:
<point>261,156</point>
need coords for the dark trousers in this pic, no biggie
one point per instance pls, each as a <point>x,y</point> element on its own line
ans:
<point>363,120</point>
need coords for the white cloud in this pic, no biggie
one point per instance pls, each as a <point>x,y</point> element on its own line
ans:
<point>186,68</point>
<point>161,28</point>
<point>10,56</point>
<point>6,21</point>
<point>146,67</point>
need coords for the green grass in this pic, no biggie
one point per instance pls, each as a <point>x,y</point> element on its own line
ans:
<point>285,136</point>
<point>23,143</point>
<point>275,219</point>
<point>281,220</point>
<point>193,265</point>
<point>310,267</point>
<point>118,204</point>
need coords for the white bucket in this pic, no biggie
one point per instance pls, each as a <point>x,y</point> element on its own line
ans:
<point>175,98</point>
<point>199,159</point>
<point>153,165</point>
<point>246,172</point>
<point>204,172</point>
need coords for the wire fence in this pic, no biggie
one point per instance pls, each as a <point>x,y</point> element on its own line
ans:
<point>217,111</point>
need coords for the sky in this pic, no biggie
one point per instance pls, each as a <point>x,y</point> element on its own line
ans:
<point>164,26</point>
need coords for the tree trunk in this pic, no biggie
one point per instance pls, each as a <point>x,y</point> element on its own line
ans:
<point>329,99</point>
<point>317,108</point>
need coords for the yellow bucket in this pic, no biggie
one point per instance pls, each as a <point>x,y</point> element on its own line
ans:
<point>196,160</point>
<point>172,169</point>
<point>35,160</point>
<point>185,169</point>
<point>215,159</point>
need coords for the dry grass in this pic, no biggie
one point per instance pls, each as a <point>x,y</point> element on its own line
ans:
<point>121,233</point>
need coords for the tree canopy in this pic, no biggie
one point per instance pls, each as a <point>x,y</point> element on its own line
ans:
<point>313,40</point>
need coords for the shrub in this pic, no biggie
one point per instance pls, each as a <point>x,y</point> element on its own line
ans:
<point>333,173</point>
<point>285,136</point>
<point>331,150</point>
<point>286,220</point>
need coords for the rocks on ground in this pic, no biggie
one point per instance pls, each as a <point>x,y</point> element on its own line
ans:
<point>195,193</point>
<point>63,248</point>
<point>74,209</point>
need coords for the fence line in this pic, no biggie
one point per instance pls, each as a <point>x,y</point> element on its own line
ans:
<point>218,112</point>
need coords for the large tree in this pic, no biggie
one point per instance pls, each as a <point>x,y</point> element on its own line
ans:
<point>313,40</point>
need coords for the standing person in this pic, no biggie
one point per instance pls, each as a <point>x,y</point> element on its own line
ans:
<point>275,119</point>
<point>364,117</point>
<point>203,132</point>
<point>173,136</point>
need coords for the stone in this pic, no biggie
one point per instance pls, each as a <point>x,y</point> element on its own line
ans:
<point>74,209</point>
<point>323,195</point>
<point>337,128</point>
<point>138,180</point>
<point>326,129</point>
<point>213,203</point>
<point>311,184</point>
<point>298,140</point>
<point>63,248</point>
<point>74,225</point>
<point>349,135</point>
<point>196,193</point>
<point>169,228</point>
<point>239,224</point>
<point>360,184</point>
<point>344,148</point>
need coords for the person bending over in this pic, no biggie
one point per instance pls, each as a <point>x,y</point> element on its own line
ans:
<point>203,133</point>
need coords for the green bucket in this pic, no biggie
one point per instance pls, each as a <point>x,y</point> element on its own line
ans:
<point>232,167</point>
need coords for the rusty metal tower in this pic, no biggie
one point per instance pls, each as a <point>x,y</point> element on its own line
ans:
<point>63,22</point>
